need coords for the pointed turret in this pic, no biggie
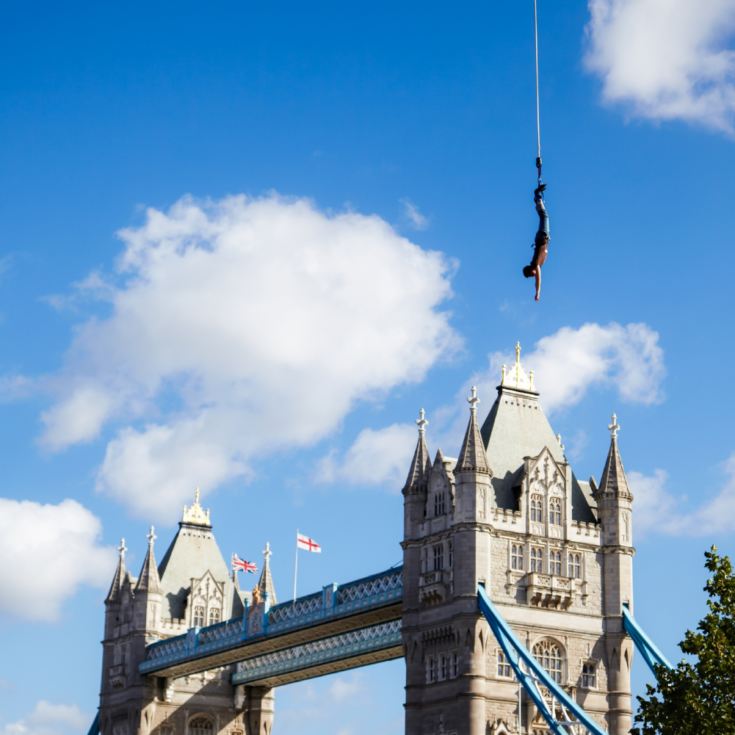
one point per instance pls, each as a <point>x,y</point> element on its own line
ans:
<point>266,588</point>
<point>420,464</point>
<point>120,572</point>
<point>613,481</point>
<point>472,456</point>
<point>149,581</point>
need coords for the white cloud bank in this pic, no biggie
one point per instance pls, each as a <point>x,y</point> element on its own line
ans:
<point>567,365</point>
<point>666,60</point>
<point>46,553</point>
<point>656,509</point>
<point>50,719</point>
<point>238,327</point>
<point>570,362</point>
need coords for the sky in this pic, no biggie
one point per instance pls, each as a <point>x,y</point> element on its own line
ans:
<point>242,244</point>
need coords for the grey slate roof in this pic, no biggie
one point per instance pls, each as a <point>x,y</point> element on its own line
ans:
<point>193,552</point>
<point>516,427</point>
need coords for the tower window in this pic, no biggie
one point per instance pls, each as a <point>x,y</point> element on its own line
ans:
<point>439,504</point>
<point>537,509</point>
<point>516,557</point>
<point>198,620</point>
<point>450,546</point>
<point>504,670</point>
<point>431,670</point>
<point>589,675</point>
<point>537,559</point>
<point>575,565</point>
<point>201,726</point>
<point>549,655</point>
<point>555,562</point>
<point>445,667</point>
<point>438,557</point>
<point>455,665</point>
<point>214,615</point>
<point>555,511</point>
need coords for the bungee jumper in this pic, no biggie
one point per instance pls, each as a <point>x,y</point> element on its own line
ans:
<point>541,241</point>
<point>543,234</point>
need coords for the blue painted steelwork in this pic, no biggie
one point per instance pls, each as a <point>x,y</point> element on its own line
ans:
<point>517,655</point>
<point>333,602</point>
<point>314,653</point>
<point>643,643</point>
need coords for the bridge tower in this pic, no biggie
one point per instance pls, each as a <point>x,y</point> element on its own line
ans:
<point>554,552</point>
<point>191,588</point>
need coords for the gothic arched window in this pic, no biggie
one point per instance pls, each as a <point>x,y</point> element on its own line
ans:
<point>201,726</point>
<point>537,509</point>
<point>575,565</point>
<point>214,615</point>
<point>537,559</point>
<point>439,504</point>
<point>198,620</point>
<point>516,557</point>
<point>555,562</point>
<point>555,511</point>
<point>549,654</point>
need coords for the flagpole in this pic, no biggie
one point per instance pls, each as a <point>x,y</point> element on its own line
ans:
<point>295,565</point>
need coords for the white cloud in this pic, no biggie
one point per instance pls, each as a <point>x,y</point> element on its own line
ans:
<point>413,214</point>
<point>50,719</point>
<point>376,457</point>
<point>568,363</point>
<point>239,327</point>
<point>46,553</point>
<point>656,509</point>
<point>666,60</point>
<point>15,386</point>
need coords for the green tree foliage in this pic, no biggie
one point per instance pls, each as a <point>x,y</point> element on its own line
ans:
<point>698,696</point>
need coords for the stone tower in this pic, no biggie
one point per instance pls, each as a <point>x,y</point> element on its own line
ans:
<point>192,587</point>
<point>554,552</point>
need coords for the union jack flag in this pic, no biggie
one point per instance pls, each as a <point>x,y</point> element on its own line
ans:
<point>240,565</point>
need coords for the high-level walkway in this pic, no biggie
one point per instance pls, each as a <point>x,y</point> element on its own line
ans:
<point>339,628</point>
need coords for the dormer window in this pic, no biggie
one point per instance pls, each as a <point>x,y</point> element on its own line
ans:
<point>214,615</point>
<point>198,620</point>
<point>537,509</point>
<point>555,511</point>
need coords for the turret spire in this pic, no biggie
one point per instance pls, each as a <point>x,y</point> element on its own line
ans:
<point>472,456</point>
<point>149,581</point>
<point>420,464</point>
<point>120,572</point>
<point>266,588</point>
<point>613,480</point>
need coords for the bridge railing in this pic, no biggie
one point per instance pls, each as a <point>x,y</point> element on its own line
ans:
<point>332,602</point>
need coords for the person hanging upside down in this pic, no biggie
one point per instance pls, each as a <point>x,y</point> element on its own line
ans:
<point>541,243</point>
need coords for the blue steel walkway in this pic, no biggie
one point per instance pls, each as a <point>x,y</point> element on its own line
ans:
<point>352,623</point>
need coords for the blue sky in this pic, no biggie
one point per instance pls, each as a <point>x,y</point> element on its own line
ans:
<point>241,245</point>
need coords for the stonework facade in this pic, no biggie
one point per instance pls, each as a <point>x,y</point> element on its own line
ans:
<point>191,588</point>
<point>554,552</point>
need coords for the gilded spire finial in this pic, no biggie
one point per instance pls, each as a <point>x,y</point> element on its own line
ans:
<point>194,513</point>
<point>472,399</point>
<point>614,427</point>
<point>422,422</point>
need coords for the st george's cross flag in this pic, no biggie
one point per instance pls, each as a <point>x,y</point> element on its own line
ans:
<point>307,544</point>
<point>241,565</point>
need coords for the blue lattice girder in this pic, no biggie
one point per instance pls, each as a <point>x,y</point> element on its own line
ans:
<point>336,609</point>
<point>650,652</point>
<point>534,675</point>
